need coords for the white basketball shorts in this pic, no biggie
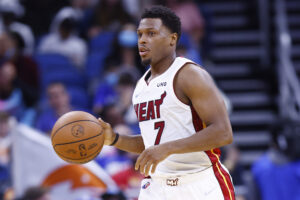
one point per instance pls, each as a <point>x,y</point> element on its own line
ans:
<point>205,185</point>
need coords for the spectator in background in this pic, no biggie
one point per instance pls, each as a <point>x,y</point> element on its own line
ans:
<point>111,112</point>
<point>186,49</point>
<point>108,15</point>
<point>76,11</point>
<point>122,58</point>
<point>59,101</point>
<point>120,76</point>
<point>134,7</point>
<point>119,97</point>
<point>277,172</point>
<point>41,14</point>
<point>63,39</point>
<point>27,70</point>
<point>10,10</point>
<point>192,25</point>
<point>6,48</point>
<point>17,95</point>
<point>191,18</point>
<point>81,6</point>
<point>104,93</point>
<point>125,90</point>
<point>126,53</point>
<point>84,11</point>
<point>118,94</point>
<point>6,124</point>
<point>11,97</point>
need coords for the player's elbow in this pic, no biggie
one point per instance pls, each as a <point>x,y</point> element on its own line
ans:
<point>226,135</point>
<point>229,138</point>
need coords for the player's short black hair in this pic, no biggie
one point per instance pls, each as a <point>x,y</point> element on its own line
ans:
<point>167,16</point>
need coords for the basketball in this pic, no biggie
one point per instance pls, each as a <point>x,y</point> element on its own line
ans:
<point>77,137</point>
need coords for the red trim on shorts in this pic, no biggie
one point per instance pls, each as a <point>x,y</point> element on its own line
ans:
<point>220,173</point>
<point>214,155</point>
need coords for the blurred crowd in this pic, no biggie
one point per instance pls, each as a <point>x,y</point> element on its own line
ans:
<point>62,55</point>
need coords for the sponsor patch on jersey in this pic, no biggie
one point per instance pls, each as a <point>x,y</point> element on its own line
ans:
<point>146,185</point>
<point>162,84</point>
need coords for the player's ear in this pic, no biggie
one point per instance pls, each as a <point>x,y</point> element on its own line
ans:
<point>174,38</point>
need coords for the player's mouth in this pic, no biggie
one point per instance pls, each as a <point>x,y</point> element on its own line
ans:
<point>143,51</point>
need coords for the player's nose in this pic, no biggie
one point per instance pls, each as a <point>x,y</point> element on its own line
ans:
<point>142,39</point>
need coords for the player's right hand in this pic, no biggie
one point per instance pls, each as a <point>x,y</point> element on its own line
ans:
<point>108,132</point>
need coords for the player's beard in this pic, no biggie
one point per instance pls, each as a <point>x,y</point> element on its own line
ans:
<point>146,62</point>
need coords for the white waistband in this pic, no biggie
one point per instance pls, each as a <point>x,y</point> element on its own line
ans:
<point>183,179</point>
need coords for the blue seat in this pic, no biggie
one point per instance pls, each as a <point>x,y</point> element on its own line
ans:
<point>102,42</point>
<point>94,64</point>
<point>57,68</point>
<point>79,98</point>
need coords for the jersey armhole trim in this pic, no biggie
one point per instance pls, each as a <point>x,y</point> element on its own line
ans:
<point>177,100</point>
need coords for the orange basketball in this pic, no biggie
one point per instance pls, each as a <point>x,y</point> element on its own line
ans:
<point>77,137</point>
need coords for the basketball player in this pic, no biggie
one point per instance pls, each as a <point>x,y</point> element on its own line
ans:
<point>182,117</point>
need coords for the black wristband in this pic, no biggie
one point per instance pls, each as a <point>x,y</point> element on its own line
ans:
<point>115,140</point>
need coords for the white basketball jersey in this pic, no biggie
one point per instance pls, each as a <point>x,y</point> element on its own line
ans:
<point>163,118</point>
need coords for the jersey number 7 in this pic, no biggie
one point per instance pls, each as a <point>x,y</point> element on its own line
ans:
<point>160,126</point>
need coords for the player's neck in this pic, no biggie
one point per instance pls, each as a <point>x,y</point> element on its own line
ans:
<point>162,65</point>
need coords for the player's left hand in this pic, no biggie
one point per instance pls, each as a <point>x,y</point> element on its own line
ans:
<point>151,157</point>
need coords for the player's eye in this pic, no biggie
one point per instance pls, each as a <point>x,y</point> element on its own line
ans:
<point>139,35</point>
<point>151,33</point>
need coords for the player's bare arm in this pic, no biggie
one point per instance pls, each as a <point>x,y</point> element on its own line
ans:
<point>193,85</point>
<point>133,144</point>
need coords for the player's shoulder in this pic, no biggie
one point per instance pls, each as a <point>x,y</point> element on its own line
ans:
<point>193,71</point>
<point>193,66</point>
<point>193,79</point>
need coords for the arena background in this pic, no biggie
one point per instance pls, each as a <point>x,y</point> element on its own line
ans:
<point>63,55</point>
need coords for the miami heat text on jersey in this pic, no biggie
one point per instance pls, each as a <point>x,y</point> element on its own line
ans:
<point>149,110</point>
